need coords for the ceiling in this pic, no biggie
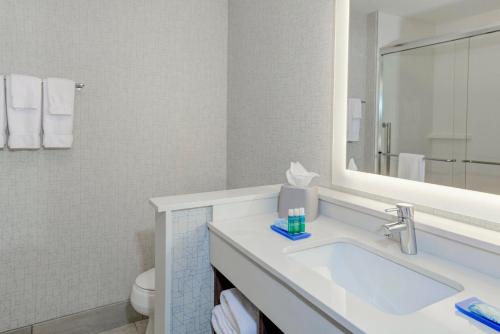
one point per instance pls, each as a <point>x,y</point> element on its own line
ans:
<point>427,10</point>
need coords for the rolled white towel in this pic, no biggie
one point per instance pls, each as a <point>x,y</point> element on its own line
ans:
<point>241,314</point>
<point>215,325</point>
<point>220,322</point>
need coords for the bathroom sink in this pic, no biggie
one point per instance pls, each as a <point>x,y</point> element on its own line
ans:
<point>387,285</point>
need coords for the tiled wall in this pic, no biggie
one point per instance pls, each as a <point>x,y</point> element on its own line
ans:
<point>75,225</point>
<point>280,89</point>
<point>192,283</point>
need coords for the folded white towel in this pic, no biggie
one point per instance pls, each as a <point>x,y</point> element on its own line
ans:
<point>25,91</point>
<point>58,103</point>
<point>354,116</point>
<point>24,102</point>
<point>3,114</point>
<point>220,322</point>
<point>61,95</point>
<point>411,167</point>
<point>241,314</point>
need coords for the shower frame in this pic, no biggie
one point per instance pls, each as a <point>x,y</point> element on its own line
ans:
<point>421,43</point>
<point>406,46</point>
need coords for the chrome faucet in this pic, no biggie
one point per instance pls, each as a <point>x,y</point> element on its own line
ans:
<point>405,225</point>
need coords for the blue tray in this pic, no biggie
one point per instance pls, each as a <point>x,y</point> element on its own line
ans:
<point>290,236</point>
<point>463,307</point>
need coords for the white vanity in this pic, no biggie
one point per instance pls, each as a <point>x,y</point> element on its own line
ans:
<point>348,277</point>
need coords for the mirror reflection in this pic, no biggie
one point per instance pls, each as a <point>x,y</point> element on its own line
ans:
<point>424,91</point>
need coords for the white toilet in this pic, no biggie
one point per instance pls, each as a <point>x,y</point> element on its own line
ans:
<point>142,297</point>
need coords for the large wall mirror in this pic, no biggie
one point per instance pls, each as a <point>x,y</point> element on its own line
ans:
<point>424,91</point>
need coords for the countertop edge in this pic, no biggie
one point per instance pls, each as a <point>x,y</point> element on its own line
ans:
<point>467,234</point>
<point>197,200</point>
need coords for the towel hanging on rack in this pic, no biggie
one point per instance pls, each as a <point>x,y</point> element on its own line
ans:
<point>58,105</point>
<point>3,114</point>
<point>354,116</point>
<point>411,167</point>
<point>24,111</point>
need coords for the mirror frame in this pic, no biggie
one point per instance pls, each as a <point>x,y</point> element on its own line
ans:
<point>459,201</point>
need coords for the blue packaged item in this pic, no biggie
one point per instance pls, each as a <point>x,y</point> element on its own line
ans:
<point>480,311</point>
<point>281,223</point>
<point>291,236</point>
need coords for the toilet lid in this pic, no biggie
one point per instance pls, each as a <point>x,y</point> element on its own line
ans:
<point>146,280</point>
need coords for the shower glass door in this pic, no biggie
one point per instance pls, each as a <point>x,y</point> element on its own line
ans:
<point>483,116</point>
<point>424,110</point>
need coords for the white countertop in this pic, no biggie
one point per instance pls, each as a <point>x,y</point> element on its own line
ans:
<point>180,202</point>
<point>466,233</point>
<point>253,237</point>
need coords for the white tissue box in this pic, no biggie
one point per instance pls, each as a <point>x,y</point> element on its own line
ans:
<point>293,197</point>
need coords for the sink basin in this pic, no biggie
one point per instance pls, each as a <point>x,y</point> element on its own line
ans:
<point>387,285</point>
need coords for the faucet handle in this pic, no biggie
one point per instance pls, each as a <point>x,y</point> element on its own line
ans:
<point>391,210</point>
<point>396,209</point>
<point>404,210</point>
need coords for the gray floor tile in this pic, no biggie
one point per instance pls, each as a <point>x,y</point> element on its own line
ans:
<point>141,326</point>
<point>127,329</point>
<point>24,330</point>
<point>91,321</point>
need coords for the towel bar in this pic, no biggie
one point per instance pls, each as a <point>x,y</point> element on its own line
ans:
<point>428,159</point>
<point>493,163</point>
<point>78,85</point>
<point>479,162</point>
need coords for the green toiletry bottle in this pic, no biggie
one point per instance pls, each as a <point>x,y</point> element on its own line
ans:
<point>302,220</point>
<point>296,225</point>
<point>291,221</point>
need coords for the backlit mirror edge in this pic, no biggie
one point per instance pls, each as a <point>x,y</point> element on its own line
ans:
<point>468,203</point>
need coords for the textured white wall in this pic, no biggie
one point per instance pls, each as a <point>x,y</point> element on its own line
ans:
<point>75,225</point>
<point>279,89</point>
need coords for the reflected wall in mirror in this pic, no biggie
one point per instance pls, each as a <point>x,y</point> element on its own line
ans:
<point>424,91</point>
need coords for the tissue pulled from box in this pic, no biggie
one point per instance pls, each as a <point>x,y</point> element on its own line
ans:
<point>298,176</point>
